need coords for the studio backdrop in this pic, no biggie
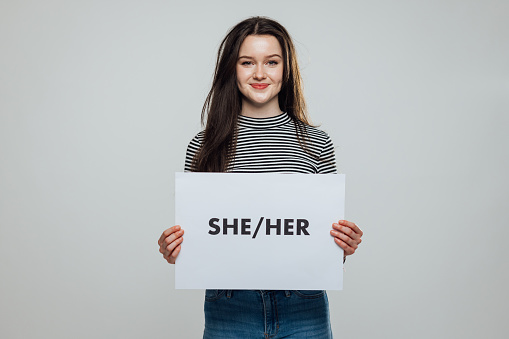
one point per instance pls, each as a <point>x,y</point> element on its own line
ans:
<point>99,99</point>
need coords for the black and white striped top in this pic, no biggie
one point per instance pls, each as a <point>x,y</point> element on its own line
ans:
<point>268,145</point>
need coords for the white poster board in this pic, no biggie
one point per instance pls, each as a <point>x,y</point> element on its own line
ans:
<point>259,231</point>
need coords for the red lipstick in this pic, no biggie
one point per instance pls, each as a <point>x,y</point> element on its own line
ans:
<point>259,86</point>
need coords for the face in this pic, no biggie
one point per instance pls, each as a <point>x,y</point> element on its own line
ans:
<point>260,72</point>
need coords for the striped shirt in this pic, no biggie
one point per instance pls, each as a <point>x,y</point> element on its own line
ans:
<point>269,145</point>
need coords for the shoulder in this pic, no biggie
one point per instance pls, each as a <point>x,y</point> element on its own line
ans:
<point>322,144</point>
<point>192,148</point>
<point>195,142</point>
<point>316,135</point>
<point>198,138</point>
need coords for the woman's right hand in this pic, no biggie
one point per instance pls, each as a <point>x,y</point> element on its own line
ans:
<point>169,243</point>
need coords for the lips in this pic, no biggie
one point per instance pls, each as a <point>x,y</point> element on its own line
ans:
<point>259,86</point>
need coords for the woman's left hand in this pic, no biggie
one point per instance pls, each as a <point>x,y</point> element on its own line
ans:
<point>347,235</point>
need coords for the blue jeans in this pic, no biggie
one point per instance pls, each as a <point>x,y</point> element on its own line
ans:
<point>246,314</point>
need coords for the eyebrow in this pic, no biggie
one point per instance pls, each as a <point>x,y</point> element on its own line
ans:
<point>268,56</point>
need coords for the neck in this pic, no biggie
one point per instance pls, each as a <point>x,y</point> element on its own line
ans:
<point>267,110</point>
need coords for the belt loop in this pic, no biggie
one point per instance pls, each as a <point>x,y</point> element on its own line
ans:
<point>228,293</point>
<point>287,293</point>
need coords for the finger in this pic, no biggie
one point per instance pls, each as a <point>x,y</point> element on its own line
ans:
<point>173,257</point>
<point>346,230</point>
<point>352,225</point>
<point>166,233</point>
<point>172,238</point>
<point>346,249</point>
<point>345,238</point>
<point>169,249</point>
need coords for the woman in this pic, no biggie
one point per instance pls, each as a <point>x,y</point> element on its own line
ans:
<point>256,121</point>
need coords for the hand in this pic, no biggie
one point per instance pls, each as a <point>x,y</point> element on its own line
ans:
<point>169,243</point>
<point>347,235</point>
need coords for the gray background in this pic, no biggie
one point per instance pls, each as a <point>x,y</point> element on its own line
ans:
<point>99,99</point>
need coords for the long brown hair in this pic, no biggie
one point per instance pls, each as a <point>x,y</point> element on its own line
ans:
<point>224,101</point>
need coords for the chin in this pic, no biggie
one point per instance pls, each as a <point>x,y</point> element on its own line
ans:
<point>261,101</point>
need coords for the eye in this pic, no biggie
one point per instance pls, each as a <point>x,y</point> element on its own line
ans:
<point>246,63</point>
<point>272,63</point>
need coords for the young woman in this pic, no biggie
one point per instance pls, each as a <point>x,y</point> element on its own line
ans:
<point>256,122</point>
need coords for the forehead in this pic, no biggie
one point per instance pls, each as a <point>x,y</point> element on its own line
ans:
<point>260,44</point>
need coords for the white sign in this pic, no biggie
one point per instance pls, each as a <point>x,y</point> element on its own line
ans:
<point>259,231</point>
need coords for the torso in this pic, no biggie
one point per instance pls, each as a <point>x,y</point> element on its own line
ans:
<point>270,145</point>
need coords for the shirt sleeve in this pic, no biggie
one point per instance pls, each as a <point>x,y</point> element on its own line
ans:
<point>327,160</point>
<point>192,149</point>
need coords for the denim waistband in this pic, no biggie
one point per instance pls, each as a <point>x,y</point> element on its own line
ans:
<point>287,293</point>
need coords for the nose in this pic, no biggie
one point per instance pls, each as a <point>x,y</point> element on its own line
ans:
<point>259,73</point>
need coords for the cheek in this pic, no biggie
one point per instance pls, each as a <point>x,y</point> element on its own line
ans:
<point>277,76</point>
<point>242,75</point>
<point>239,76</point>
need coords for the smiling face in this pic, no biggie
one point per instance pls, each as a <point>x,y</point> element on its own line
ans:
<point>260,75</point>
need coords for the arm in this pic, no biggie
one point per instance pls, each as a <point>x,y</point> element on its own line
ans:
<point>347,234</point>
<point>171,239</point>
<point>169,243</point>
